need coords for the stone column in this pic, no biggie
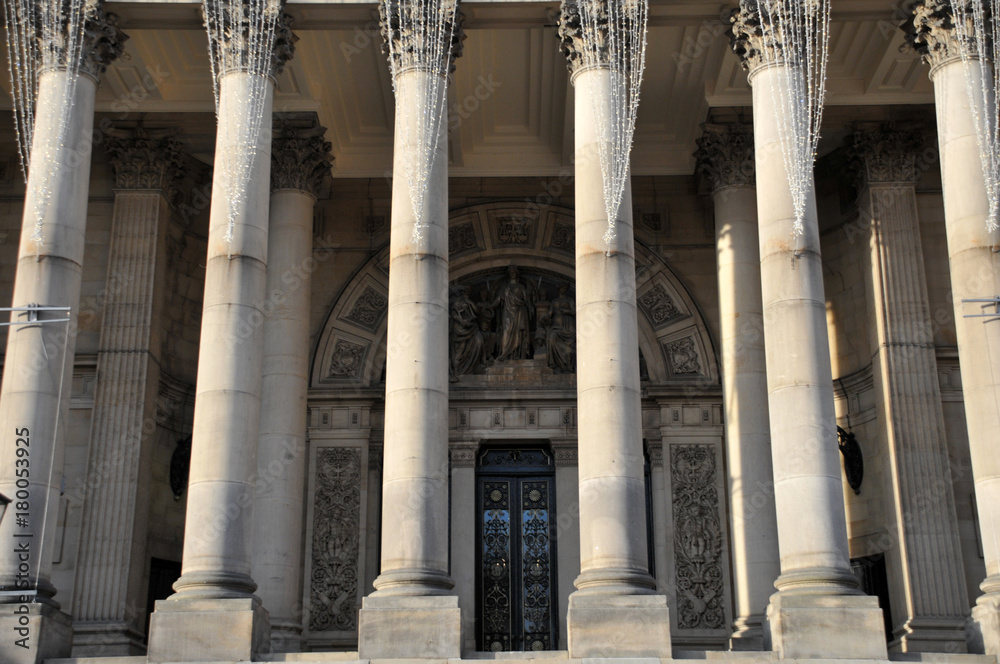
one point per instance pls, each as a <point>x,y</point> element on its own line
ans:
<point>214,614</point>
<point>975,273</point>
<point>726,157</point>
<point>111,580</point>
<point>818,610</point>
<point>927,578</point>
<point>413,612</point>
<point>300,162</point>
<point>38,364</point>
<point>615,611</point>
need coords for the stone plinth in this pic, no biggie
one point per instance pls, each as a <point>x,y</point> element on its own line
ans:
<point>618,626</point>
<point>208,630</point>
<point>825,626</point>
<point>401,626</point>
<point>45,631</point>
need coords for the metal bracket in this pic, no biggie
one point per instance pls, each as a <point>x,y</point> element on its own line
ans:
<point>985,302</point>
<point>32,311</point>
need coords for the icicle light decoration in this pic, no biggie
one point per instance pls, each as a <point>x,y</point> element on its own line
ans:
<point>241,39</point>
<point>43,36</point>
<point>614,36</point>
<point>977,24</point>
<point>420,35</point>
<point>795,33</point>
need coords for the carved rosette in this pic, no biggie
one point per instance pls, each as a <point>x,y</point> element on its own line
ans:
<point>886,156</point>
<point>140,161</point>
<point>571,34</point>
<point>933,33</point>
<point>406,50</point>
<point>236,41</point>
<point>725,156</point>
<point>300,159</point>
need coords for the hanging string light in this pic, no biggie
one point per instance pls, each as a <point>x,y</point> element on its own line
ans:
<point>795,33</point>
<point>977,24</point>
<point>614,36</point>
<point>241,35</point>
<point>420,36</point>
<point>43,36</point>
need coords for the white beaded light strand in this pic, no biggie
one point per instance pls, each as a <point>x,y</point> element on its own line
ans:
<point>43,36</point>
<point>614,36</point>
<point>977,24</point>
<point>796,34</point>
<point>421,33</point>
<point>241,39</point>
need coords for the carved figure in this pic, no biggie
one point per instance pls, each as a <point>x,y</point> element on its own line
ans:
<point>466,336</point>
<point>561,338</point>
<point>517,307</point>
<point>487,314</point>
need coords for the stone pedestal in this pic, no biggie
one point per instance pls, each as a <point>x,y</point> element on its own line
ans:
<point>618,626</point>
<point>408,627</point>
<point>33,633</point>
<point>824,627</point>
<point>208,630</point>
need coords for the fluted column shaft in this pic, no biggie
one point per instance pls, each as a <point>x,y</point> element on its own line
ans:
<point>110,579</point>
<point>975,274</point>
<point>299,164</point>
<point>726,156</point>
<point>38,364</point>
<point>928,593</point>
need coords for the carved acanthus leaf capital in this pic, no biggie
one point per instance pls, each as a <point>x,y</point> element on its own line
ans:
<point>103,41</point>
<point>933,34</point>
<point>725,156</point>
<point>231,24</point>
<point>300,158</point>
<point>142,161</point>
<point>406,50</point>
<point>886,155</point>
<point>571,36</point>
<point>746,36</point>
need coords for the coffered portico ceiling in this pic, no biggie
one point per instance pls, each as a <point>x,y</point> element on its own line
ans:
<point>511,100</point>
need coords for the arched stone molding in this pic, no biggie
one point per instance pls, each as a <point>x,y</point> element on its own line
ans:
<point>673,337</point>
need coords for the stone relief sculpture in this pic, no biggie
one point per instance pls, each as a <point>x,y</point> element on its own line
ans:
<point>512,320</point>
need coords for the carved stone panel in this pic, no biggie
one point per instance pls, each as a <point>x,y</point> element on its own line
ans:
<point>683,357</point>
<point>368,310</point>
<point>514,230</point>
<point>335,543</point>
<point>697,537</point>
<point>658,306</point>
<point>563,238</point>
<point>347,361</point>
<point>462,239</point>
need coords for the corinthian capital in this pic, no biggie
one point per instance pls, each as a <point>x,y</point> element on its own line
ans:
<point>396,21</point>
<point>142,161</point>
<point>102,43</point>
<point>300,158</point>
<point>886,155</point>
<point>933,32</point>
<point>571,36</point>
<point>746,36</point>
<point>231,24</point>
<point>725,156</point>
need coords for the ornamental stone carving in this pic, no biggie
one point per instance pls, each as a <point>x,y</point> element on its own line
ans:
<point>513,229</point>
<point>369,309</point>
<point>887,156</point>
<point>698,537</point>
<point>658,306</point>
<point>140,161</point>
<point>746,36</point>
<point>347,360</point>
<point>571,34</point>
<point>300,158</point>
<point>283,48</point>
<point>406,49</point>
<point>335,544</point>
<point>683,356</point>
<point>564,237</point>
<point>103,42</point>
<point>462,238</point>
<point>725,156</point>
<point>932,32</point>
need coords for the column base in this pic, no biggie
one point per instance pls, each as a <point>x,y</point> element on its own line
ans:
<point>618,626</point>
<point>208,630</point>
<point>825,627</point>
<point>407,627</point>
<point>94,638</point>
<point>286,636</point>
<point>984,632</point>
<point>930,635</point>
<point>33,633</point>
<point>748,634</point>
